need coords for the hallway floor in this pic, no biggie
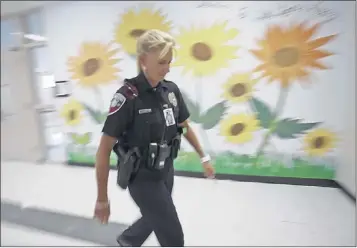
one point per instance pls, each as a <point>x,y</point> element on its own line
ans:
<point>52,205</point>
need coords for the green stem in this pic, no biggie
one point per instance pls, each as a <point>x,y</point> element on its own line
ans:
<point>202,132</point>
<point>279,106</point>
<point>99,98</point>
<point>83,149</point>
<point>99,102</point>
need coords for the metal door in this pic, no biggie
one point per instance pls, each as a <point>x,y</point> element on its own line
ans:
<point>21,137</point>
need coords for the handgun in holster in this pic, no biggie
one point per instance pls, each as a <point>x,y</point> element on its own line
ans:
<point>128,164</point>
<point>176,144</point>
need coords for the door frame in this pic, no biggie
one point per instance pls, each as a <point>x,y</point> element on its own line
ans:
<point>27,47</point>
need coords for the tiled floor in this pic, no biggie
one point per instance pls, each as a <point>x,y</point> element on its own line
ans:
<point>214,213</point>
<point>14,235</point>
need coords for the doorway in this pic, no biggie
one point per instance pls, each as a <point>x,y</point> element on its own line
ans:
<point>21,136</point>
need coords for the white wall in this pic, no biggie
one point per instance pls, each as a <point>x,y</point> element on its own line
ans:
<point>346,172</point>
<point>324,100</point>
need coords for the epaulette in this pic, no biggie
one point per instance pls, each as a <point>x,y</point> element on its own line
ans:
<point>130,91</point>
<point>167,81</point>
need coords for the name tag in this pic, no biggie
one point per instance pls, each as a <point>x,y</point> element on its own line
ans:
<point>144,111</point>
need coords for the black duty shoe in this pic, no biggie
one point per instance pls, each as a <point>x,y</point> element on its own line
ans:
<point>122,242</point>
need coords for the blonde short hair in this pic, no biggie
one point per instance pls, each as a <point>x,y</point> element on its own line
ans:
<point>154,40</point>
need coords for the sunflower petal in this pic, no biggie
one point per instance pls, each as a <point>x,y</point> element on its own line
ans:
<point>113,61</point>
<point>302,73</point>
<point>310,31</point>
<point>318,54</point>
<point>284,79</point>
<point>258,53</point>
<point>260,67</point>
<point>315,64</point>
<point>319,42</point>
<point>113,52</point>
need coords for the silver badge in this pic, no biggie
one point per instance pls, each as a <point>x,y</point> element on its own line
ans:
<point>172,99</point>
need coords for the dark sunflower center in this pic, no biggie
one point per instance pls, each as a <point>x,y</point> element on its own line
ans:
<point>319,142</point>
<point>237,128</point>
<point>72,115</point>
<point>201,51</point>
<point>91,66</point>
<point>287,56</point>
<point>136,33</point>
<point>238,90</point>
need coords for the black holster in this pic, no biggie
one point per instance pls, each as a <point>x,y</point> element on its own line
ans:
<point>175,147</point>
<point>128,164</point>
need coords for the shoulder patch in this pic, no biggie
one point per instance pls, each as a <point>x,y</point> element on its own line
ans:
<point>116,103</point>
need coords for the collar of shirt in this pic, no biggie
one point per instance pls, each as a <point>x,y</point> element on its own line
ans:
<point>143,84</point>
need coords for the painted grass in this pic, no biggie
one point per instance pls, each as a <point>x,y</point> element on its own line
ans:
<point>243,165</point>
<point>77,157</point>
<point>236,165</point>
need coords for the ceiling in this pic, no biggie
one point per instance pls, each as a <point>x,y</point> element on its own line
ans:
<point>16,7</point>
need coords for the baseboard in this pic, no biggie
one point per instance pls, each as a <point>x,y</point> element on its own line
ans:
<point>261,179</point>
<point>248,178</point>
<point>346,192</point>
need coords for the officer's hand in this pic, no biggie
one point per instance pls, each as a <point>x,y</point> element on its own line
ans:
<point>208,169</point>
<point>102,212</point>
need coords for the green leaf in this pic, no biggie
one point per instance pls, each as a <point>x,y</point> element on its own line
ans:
<point>103,116</point>
<point>81,139</point>
<point>213,115</point>
<point>96,116</point>
<point>193,108</point>
<point>289,128</point>
<point>263,112</point>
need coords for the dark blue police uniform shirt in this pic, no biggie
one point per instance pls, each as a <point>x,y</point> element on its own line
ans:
<point>146,115</point>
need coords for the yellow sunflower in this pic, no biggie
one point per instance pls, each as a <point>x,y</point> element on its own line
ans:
<point>94,64</point>
<point>71,112</point>
<point>286,54</point>
<point>133,25</point>
<point>319,142</point>
<point>239,87</point>
<point>204,51</point>
<point>239,128</point>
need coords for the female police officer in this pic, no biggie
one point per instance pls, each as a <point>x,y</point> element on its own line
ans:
<point>149,111</point>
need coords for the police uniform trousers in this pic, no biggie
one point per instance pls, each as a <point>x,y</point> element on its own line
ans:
<point>151,191</point>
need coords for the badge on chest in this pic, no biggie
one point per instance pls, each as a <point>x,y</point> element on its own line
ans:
<point>169,117</point>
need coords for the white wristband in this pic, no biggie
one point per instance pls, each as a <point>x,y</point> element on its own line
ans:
<point>205,159</point>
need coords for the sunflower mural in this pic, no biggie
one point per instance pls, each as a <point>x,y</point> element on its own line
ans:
<point>319,142</point>
<point>239,87</point>
<point>133,24</point>
<point>72,113</point>
<point>239,128</point>
<point>203,52</point>
<point>287,55</point>
<point>93,67</point>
